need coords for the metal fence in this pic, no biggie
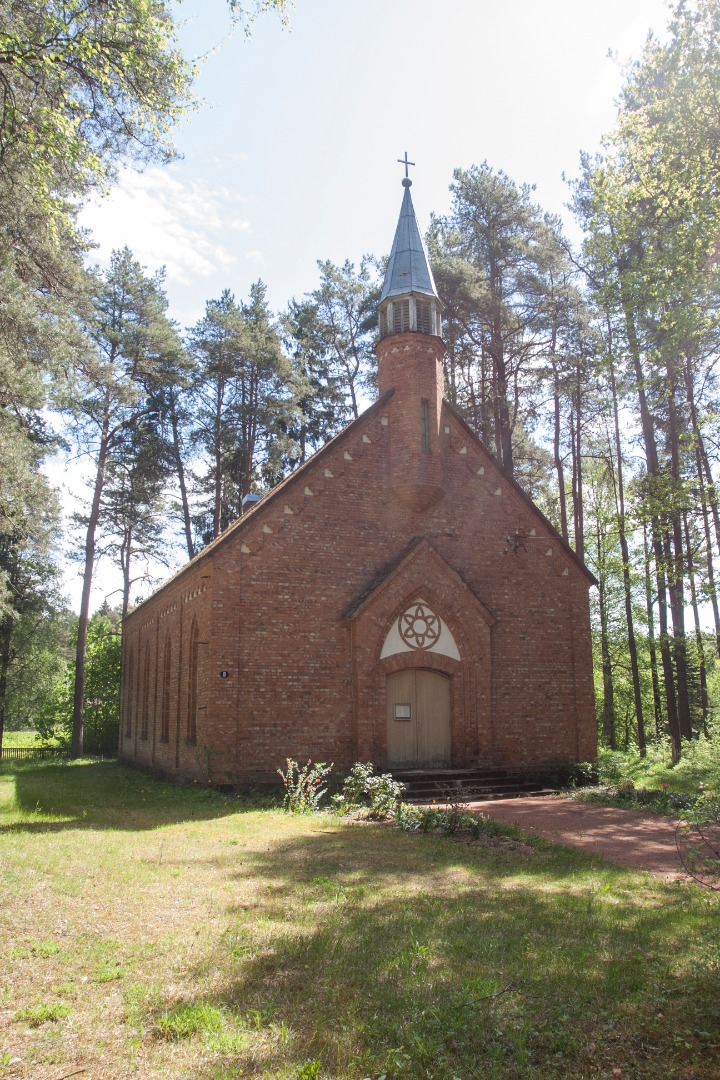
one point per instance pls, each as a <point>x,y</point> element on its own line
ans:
<point>28,753</point>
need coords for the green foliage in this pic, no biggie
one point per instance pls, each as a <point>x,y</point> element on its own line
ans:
<point>242,393</point>
<point>310,1070</point>
<point>84,85</point>
<point>33,624</point>
<point>513,315</point>
<point>118,403</point>
<point>698,769</point>
<point>662,801</point>
<point>686,789</point>
<point>40,656</point>
<point>102,692</point>
<point>363,786</point>
<point>450,819</point>
<point>303,786</point>
<point>35,1015</point>
<point>650,212</point>
<point>698,841</point>
<point>189,1019</point>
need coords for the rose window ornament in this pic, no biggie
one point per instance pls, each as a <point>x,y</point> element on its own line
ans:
<point>419,627</point>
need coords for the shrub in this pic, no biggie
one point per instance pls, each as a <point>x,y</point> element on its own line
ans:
<point>362,785</point>
<point>101,718</point>
<point>409,818</point>
<point>698,841</point>
<point>564,773</point>
<point>303,790</point>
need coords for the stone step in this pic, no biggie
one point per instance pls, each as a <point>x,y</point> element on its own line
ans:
<point>473,795</point>
<point>445,785</point>
<point>453,774</point>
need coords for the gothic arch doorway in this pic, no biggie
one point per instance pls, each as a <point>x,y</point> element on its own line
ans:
<point>418,719</point>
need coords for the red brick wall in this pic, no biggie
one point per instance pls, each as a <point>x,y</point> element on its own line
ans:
<point>286,605</point>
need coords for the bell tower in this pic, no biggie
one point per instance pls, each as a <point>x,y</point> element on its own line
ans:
<point>410,353</point>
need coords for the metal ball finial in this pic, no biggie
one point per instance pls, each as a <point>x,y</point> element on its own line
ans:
<point>406,182</point>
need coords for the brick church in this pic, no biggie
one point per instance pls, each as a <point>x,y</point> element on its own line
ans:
<point>396,599</point>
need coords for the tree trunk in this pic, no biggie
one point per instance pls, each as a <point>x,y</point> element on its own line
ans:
<point>674,553</point>
<point>652,649</point>
<point>608,721</point>
<point>698,632</point>
<point>180,469</point>
<point>218,464</point>
<point>699,449</point>
<point>559,469</point>
<point>653,469</point>
<point>503,435</point>
<point>5,654</point>
<point>624,550</point>
<point>579,402</point>
<point>665,652</point>
<point>711,586</point>
<point>76,746</point>
<point>125,556</point>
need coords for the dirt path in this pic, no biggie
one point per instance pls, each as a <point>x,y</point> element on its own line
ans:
<point>632,838</point>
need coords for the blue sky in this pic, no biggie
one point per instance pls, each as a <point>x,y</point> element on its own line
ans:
<point>291,155</point>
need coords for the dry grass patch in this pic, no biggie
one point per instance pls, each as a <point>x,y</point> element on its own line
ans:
<point>153,930</point>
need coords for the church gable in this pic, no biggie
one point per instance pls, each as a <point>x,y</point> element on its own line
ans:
<point>420,569</point>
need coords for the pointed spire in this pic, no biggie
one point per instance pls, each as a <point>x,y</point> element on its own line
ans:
<point>408,270</point>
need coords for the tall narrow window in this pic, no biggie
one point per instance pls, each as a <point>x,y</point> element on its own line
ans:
<point>422,309</point>
<point>145,695</point>
<point>129,694</point>
<point>165,713</point>
<point>193,685</point>
<point>425,424</point>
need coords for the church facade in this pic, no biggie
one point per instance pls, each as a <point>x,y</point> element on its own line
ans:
<point>397,599</point>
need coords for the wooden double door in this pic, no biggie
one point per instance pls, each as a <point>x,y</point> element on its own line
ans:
<point>418,719</point>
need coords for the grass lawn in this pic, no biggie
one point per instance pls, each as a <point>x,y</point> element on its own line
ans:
<point>20,738</point>
<point>161,931</point>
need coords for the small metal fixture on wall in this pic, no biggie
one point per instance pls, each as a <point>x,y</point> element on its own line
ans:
<point>516,542</point>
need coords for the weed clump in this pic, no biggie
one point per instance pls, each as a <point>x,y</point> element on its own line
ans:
<point>303,786</point>
<point>189,1019</point>
<point>35,1015</point>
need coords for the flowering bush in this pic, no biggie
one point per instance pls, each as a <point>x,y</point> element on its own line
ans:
<point>382,792</point>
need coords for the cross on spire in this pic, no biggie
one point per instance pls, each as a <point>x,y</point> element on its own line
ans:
<point>404,161</point>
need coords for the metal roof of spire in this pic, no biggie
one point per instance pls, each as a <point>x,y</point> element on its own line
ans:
<point>408,270</point>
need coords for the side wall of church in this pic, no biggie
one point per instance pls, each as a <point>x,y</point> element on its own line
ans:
<point>164,713</point>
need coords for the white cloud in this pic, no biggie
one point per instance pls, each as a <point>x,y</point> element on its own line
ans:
<point>255,256</point>
<point>167,221</point>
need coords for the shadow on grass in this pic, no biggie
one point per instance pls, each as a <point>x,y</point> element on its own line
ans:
<point>417,957</point>
<point>104,794</point>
